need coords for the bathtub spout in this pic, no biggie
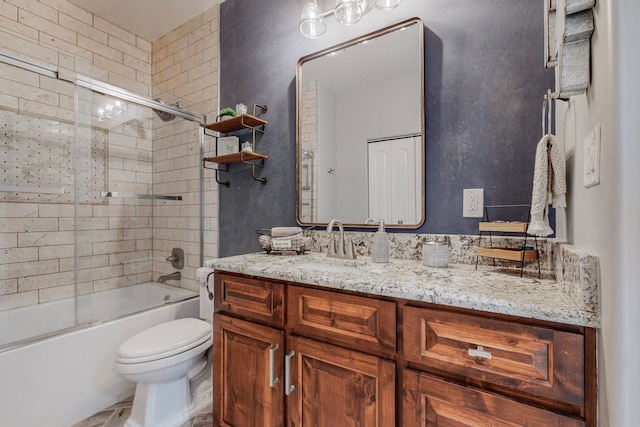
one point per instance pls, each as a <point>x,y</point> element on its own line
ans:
<point>173,276</point>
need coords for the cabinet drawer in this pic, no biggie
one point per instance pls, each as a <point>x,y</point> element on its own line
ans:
<point>361,323</point>
<point>526,359</point>
<point>430,402</point>
<point>260,300</point>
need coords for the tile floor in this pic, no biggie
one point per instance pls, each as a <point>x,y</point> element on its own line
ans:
<point>116,415</point>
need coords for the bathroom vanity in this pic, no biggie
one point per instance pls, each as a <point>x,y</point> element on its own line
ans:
<point>312,341</point>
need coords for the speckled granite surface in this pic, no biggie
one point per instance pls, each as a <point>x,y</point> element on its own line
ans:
<point>460,285</point>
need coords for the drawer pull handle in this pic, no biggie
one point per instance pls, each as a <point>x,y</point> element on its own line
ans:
<point>288,388</point>
<point>479,352</point>
<point>273,380</point>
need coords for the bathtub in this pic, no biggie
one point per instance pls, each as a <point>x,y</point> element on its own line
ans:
<point>56,378</point>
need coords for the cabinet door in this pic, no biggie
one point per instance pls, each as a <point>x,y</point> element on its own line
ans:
<point>242,391</point>
<point>430,402</point>
<point>335,386</point>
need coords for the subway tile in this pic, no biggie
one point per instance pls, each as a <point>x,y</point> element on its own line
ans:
<point>114,66</point>
<point>18,43</point>
<point>54,252</point>
<point>31,283</point>
<point>51,210</point>
<point>57,293</point>
<point>37,8</point>
<point>19,255</point>
<point>8,286</point>
<point>45,238</point>
<point>113,247</point>
<point>100,48</point>
<point>67,10</point>
<point>26,225</point>
<point>8,11</point>
<point>31,268</point>
<point>21,299</point>
<point>114,30</point>
<point>109,283</point>
<point>130,49</point>
<point>46,26</point>
<point>102,273</point>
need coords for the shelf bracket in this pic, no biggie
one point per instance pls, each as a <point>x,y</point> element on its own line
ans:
<point>226,183</point>
<point>253,175</point>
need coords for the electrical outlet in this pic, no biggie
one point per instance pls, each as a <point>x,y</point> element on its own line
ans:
<point>472,202</point>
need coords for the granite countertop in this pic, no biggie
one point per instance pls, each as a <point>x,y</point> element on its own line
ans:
<point>459,285</point>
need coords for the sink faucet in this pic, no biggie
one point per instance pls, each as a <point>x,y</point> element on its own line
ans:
<point>173,276</point>
<point>338,250</point>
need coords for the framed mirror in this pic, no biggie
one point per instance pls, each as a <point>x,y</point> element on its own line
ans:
<point>360,130</point>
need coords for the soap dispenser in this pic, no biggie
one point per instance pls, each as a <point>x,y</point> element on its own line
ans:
<point>380,252</point>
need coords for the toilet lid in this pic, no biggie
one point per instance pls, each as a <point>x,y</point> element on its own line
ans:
<point>165,340</point>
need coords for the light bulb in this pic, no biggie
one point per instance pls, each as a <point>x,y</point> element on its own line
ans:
<point>311,23</point>
<point>386,4</point>
<point>348,12</point>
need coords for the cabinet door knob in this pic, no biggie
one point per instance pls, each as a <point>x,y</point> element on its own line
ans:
<point>273,380</point>
<point>479,352</point>
<point>288,388</point>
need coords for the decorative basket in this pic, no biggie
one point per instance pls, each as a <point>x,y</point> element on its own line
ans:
<point>293,243</point>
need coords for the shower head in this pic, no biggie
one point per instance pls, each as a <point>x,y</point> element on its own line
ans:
<point>165,116</point>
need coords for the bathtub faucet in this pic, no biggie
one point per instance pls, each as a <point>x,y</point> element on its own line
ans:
<point>173,276</point>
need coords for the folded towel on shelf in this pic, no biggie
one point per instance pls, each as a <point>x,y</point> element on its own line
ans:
<point>549,185</point>
<point>285,231</point>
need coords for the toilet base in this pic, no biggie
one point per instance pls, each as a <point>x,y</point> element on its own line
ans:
<point>167,404</point>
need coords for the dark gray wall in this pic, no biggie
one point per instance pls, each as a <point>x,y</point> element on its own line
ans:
<point>484,83</point>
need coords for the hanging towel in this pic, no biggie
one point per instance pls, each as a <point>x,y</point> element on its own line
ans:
<point>549,185</point>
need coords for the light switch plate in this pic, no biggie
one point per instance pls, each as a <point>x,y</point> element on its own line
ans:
<point>591,149</point>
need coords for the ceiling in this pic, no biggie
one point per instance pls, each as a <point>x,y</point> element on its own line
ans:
<point>149,19</point>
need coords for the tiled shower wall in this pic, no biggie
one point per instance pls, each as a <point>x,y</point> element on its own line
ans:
<point>185,63</point>
<point>118,242</point>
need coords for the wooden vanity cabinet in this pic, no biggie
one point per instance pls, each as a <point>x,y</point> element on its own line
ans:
<point>294,355</point>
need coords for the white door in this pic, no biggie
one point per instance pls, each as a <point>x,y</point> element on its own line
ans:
<point>394,180</point>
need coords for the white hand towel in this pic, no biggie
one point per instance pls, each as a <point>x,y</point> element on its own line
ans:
<point>285,231</point>
<point>549,185</point>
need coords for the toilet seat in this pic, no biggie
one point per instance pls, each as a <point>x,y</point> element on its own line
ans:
<point>165,340</point>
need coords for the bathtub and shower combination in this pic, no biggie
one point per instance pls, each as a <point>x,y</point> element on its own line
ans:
<point>70,215</point>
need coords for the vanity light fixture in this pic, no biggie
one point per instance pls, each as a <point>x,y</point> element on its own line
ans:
<point>346,12</point>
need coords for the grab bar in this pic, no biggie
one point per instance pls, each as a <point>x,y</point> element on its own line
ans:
<point>4,188</point>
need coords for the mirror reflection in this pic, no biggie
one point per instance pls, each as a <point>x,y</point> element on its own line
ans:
<point>361,130</point>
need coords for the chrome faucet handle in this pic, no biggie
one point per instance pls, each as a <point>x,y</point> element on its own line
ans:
<point>331,253</point>
<point>351,250</point>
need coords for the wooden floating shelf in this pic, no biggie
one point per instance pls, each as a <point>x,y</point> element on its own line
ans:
<point>236,123</point>
<point>504,227</point>
<point>243,156</point>
<point>510,254</point>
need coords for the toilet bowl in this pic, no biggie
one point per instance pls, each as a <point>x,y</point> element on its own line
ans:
<point>162,360</point>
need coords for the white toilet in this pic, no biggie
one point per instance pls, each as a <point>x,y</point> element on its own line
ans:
<point>163,360</point>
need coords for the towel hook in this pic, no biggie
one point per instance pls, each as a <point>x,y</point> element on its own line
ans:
<point>546,111</point>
